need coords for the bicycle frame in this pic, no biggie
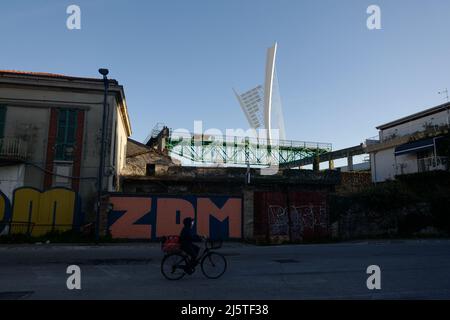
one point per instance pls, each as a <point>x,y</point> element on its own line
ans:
<point>200,257</point>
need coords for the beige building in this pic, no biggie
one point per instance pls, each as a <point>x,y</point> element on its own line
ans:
<point>50,133</point>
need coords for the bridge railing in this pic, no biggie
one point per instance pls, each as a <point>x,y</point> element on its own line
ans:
<point>240,150</point>
<point>181,137</point>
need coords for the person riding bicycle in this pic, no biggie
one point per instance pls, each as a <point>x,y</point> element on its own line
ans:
<point>187,239</point>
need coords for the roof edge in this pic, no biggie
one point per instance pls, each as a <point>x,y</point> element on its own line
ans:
<point>51,75</point>
<point>414,116</point>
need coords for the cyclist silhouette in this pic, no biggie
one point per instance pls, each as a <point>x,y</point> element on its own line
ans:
<point>187,239</point>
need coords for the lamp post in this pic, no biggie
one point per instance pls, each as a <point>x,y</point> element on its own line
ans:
<point>101,170</point>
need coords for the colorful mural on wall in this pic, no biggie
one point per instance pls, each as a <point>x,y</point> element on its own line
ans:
<point>137,217</point>
<point>292,216</point>
<point>36,213</point>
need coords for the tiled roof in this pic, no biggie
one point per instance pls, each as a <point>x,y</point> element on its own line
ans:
<point>46,74</point>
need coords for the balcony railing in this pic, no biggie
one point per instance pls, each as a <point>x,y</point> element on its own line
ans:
<point>13,149</point>
<point>416,130</point>
<point>431,164</point>
<point>422,165</point>
<point>373,140</point>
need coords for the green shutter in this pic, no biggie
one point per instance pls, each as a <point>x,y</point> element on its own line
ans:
<point>2,119</point>
<point>66,136</point>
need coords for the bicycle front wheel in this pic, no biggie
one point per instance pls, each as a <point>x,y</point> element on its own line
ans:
<point>214,265</point>
<point>173,266</point>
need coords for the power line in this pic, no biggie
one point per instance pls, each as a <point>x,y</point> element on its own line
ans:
<point>59,175</point>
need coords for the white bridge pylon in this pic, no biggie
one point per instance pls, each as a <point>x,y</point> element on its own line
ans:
<point>262,105</point>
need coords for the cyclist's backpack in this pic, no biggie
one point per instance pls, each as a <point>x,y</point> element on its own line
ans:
<point>171,244</point>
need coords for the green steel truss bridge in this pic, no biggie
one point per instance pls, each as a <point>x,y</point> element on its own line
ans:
<point>234,151</point>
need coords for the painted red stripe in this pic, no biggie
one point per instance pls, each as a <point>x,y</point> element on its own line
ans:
<point>78,151</point>
<point>51,143</point>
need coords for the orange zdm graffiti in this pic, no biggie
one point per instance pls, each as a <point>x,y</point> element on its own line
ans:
<point>136,217</point>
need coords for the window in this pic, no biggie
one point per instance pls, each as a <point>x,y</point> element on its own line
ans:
<point>150,169</point>
<point>66,135</point>
<point>2,119</point>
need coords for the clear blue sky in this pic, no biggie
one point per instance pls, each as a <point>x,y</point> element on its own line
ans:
<point>178,60</point>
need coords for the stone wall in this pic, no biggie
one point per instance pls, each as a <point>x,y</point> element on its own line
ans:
<point>351,182</point>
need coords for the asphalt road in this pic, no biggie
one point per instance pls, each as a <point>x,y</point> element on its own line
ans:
<point>409,270</point>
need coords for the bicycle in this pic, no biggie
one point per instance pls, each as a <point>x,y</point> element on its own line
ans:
<point>174,265</point>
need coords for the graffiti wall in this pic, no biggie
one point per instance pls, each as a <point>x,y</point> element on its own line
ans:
<point>151,217</point>
<point>36,213</point>
<point>291,216</point>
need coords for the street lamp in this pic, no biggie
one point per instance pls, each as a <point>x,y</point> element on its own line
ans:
<point>101,170</point>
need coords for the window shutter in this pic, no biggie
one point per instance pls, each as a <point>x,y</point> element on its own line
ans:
<point>2,119</point>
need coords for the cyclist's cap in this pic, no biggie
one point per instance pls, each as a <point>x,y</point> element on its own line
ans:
<point>188,221</point>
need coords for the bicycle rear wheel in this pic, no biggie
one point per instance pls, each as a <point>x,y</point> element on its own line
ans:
<point>214,265</point>
<point>173,266</point>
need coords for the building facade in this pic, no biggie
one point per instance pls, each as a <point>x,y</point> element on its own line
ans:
<point>50,134</point>
<point>411,144</point>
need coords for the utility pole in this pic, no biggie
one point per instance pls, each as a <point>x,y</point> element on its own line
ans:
<point>101,168</point>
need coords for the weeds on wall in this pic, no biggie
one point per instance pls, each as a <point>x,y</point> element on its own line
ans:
<point>413,205</point>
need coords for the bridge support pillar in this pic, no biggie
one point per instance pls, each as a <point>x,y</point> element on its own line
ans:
<point>350,162</point>
<point>316,164</point>
<point>331,164</point>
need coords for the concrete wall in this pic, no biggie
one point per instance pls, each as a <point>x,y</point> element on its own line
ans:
<point>257,215</point>
<point>11,178</point>
<point>153,216</point>
<point>230,183</point>
<point>36,213</point>
<point>406,163</point>
<point>121,140</point>
<point>249,213</point>
<point>383,165</point>
<point>291,216</point>
<point>116,145</point>
<point>29,124</point>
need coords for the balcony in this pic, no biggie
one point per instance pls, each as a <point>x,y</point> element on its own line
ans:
<point>13,149</point>
<point>372,140</point>
<point>422,165</point>
<point>432,164</point>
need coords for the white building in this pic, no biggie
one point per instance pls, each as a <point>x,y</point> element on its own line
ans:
<point>409,145</point>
